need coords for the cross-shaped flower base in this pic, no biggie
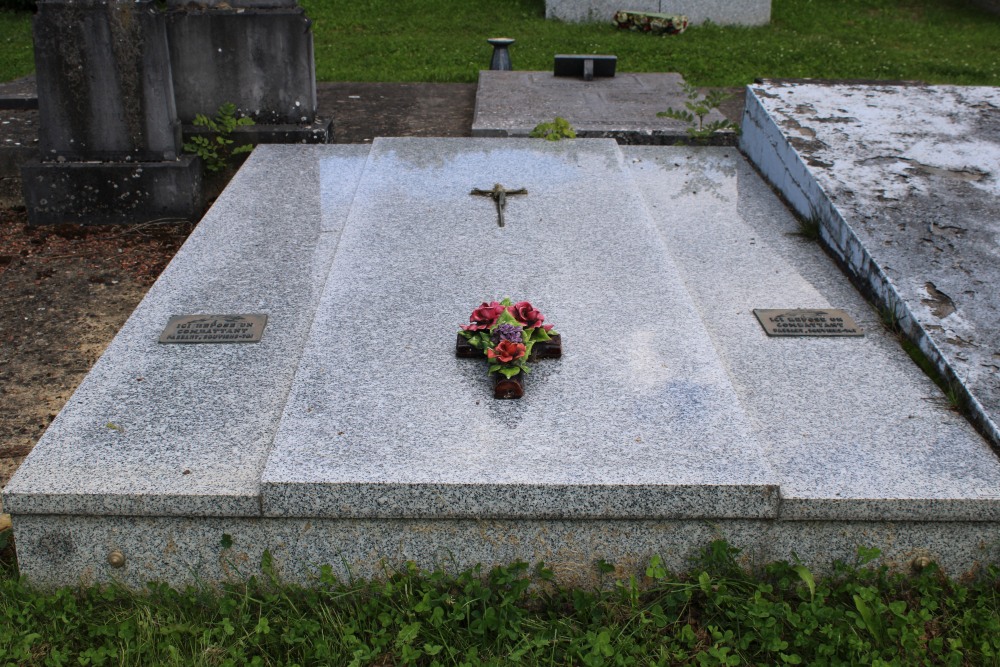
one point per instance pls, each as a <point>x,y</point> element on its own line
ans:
<point>509,335</point>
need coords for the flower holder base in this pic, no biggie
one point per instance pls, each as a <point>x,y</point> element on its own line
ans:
<point>546,349</point>
<point>508,387</point>
<point>509,336</point>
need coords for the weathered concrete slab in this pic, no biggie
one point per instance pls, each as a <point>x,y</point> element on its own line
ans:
<point>112,192</point>
<point>723,12</point>
<point>623,107</point>
<point>103,82</point>
<point>637,419</point>
<point>851,426</point>
<point>906,184</point>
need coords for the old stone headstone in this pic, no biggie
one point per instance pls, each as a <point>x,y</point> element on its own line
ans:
<point>109,138</point>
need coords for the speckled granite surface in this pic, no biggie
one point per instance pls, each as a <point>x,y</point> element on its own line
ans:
<point>351,433</point>
<point>852,427</point>
<point>185,429</point>
<point>636,419</point>
<point>62,550</point>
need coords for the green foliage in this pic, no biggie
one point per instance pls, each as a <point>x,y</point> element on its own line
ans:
<point>715,614</point>
<point>809,228</point>
<point>697,107</point>
<point>16,52</point>
<point>217,151</point>
<point>554,131</point>
<point>938,41</point>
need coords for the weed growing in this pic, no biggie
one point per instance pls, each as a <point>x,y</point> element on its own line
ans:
<point>715,614</point>
<point>556,130</point>
<point>953,396</point>
<point>697,107</point>
<point>217,150</point>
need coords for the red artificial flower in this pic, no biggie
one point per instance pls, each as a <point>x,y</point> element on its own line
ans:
<point>527,314</point>
<point>506,351</point>
<point>484,317</point>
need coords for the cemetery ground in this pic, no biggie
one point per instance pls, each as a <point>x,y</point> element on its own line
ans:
<point>715,613</point>
<point>67,290</point>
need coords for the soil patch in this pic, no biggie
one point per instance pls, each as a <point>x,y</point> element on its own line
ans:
<point>67,290</point>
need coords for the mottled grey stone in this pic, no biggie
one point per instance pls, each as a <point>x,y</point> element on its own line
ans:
<point>722,12</point>
<point>636,419</point>
<point>260,59</point>
<point>838,453</point>
<point>185,429</point>
<point>112,192</point>
<point>60,551</point>
<point>624,107</point>
<point>904,180</point>
<point>103,78</point>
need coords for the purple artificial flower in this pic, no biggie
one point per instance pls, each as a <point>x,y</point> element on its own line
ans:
<point>507,332</point>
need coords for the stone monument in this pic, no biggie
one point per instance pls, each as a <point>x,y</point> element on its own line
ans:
<point>109,137</point>
<point>350,432</point>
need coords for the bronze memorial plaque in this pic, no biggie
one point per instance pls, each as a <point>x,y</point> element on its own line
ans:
<point>214,329</point>
<point>806,322</point>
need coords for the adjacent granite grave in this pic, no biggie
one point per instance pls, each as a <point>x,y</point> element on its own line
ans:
<point>722,12</point>
<point>351,434</point>
<point>904,182</point>
<point>623,107</point>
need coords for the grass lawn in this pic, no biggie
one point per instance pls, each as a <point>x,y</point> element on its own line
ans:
<point>937,41</point>
<point>715,614</point>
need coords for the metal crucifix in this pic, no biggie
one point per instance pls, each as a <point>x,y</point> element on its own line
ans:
<point>499,195</point>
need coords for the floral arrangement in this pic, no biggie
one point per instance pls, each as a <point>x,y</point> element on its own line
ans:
<point>657,24</point>
<point>506,333</point>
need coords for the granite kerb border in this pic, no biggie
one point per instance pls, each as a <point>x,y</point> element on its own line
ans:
<point>58,550</point>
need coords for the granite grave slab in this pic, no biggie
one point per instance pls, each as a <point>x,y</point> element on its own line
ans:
<point>393,425</point>
<point>350,435</point>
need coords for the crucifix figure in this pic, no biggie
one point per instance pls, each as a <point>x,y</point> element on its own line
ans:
<point>499,195</point>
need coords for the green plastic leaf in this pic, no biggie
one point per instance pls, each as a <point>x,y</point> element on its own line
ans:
<point>507,318</point>
<point>806,576</point>
<point>509,372</point>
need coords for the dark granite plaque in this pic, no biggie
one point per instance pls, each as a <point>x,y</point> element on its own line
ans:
<point>214,329</point>
<point>806,322</point>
